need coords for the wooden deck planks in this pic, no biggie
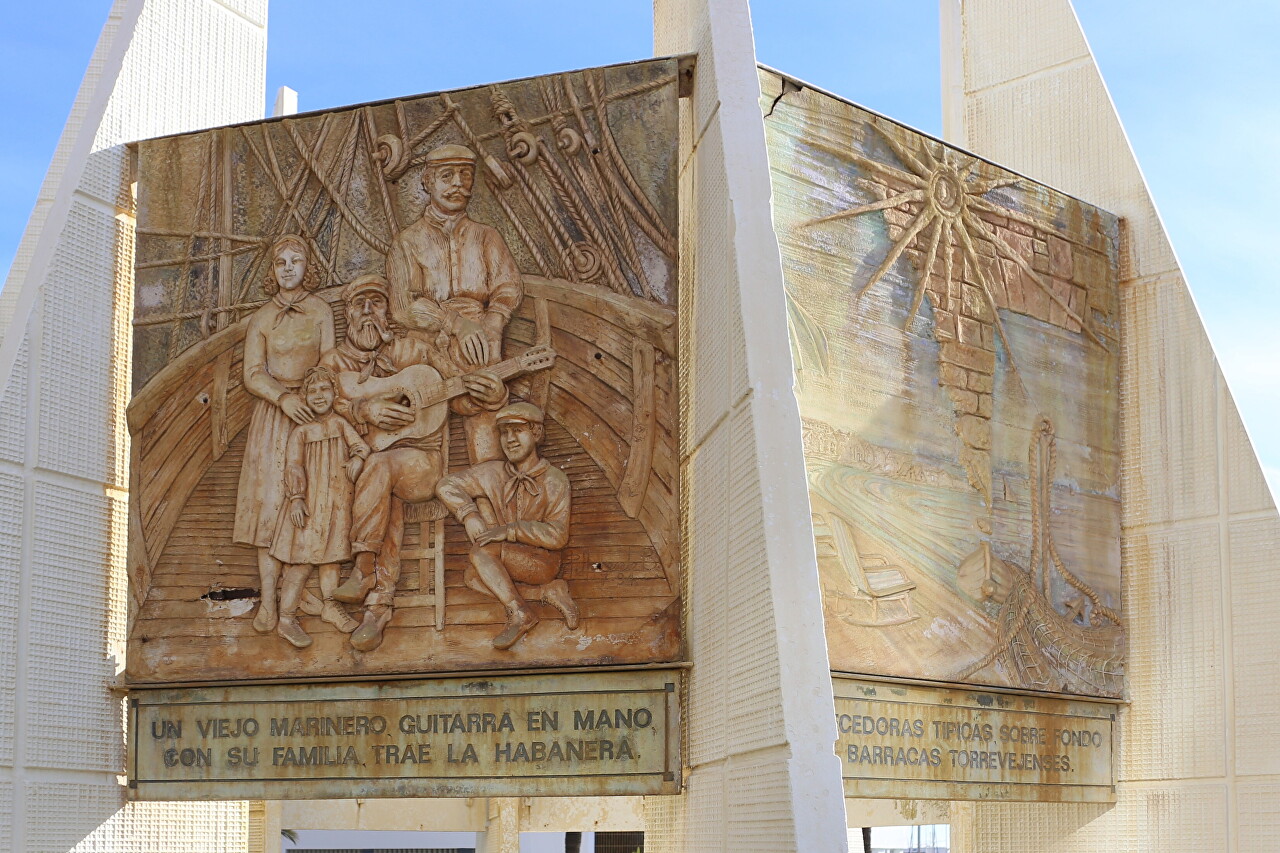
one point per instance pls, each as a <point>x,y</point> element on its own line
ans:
<point>612,568</point>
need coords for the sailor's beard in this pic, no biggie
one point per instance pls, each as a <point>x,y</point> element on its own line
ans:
<point>368,332</point>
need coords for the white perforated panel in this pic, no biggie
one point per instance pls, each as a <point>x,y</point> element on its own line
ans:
<point>180,66</point>
<point>172,828</point>
<point>1169,405</point>
<point>6,832</point>
<point>11,501</point>
<point>716,312</point>
<point>1176,654</point>
<point>1247,489</point>
<point>83,818</point>
<point>13,408</point>
<point>1255,601</point>
<point>205,64</point>
<point>1259,817</point>
<point>706,480</point>
<point>102,173</point>
<point>67,663</point>
<point>753,664</point>
<point>58,816</point>
<point>758,817</point>
<point>75,357</point>
<point>253,10</point>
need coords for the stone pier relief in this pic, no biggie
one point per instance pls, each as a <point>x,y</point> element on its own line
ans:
<point>405,386</point>
<point>955,335</point>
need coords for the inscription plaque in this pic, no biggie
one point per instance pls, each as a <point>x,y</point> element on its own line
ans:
<point>899,741</point>
<point>439,737</point>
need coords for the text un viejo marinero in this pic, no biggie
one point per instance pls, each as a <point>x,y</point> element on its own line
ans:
<point>578,736</point>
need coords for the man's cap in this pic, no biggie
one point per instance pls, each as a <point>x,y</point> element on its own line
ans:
<point>450,154</point>
<point>520,413</point>
<point>366,283</point>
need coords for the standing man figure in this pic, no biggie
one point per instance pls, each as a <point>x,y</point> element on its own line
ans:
<point>454,282</point>
<point>406,470</point>
<point>515,555</point>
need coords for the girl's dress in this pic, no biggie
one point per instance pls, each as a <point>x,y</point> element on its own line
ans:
<point>316,461</point>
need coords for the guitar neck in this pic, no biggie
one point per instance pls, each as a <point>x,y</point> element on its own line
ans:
<point>454,387</point>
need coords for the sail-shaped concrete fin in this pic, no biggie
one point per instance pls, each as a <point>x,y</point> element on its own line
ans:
<point>160,67</point>
<point>1192,771</point>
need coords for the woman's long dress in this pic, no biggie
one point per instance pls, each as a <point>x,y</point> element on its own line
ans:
<point>288,338</point>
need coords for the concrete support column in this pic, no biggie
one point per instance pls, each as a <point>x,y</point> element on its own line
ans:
<point>760,725</point>
<point>502,829</point>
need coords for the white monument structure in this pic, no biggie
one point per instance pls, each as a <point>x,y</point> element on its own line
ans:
<point>1195,766</point>
<point>64,365</point>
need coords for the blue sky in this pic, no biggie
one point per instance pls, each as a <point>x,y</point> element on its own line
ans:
<point>1193,81</point>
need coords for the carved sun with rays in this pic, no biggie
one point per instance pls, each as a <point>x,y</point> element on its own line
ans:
<point>951,196</point>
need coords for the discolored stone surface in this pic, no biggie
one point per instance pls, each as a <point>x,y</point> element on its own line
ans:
<point>956,342</point>
<point>336,315</point>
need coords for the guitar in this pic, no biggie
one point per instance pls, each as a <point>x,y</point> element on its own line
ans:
<point>421,388</point>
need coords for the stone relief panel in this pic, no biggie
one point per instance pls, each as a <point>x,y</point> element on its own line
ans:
<point>956,338</point>
<point>405,386</point>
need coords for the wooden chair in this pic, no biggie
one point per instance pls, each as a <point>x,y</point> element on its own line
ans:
<point>874,578</point>
<point>429,552</point>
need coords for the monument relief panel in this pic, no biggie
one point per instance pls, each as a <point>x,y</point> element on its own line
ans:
<point>404,387</point>
<point>956,342</point>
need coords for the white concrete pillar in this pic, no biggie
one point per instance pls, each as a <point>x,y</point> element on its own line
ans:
<point>286,102</point>
<point>1198,760</point>
<point>951,47</point>
<point>759,715</point>
<point>502,830</point>
<point>161,66</point>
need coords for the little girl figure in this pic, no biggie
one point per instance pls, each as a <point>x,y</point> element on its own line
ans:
<point>314,527</point>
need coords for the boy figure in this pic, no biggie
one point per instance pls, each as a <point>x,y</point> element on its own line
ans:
<point>515,555</point>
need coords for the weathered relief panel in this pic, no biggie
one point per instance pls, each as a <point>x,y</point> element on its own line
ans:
<point>404,388</point>
<point>553,735</point>
<point>956,342</point>
<point>899,741</point>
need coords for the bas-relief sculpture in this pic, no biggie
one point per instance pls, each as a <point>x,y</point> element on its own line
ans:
<point>405,386</point>
<point>956,336</point>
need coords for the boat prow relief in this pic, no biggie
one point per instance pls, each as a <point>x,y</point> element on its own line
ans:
<point>983,576</point>
<point>1079,650</point>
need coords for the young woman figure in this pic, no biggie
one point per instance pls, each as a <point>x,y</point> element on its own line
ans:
<point>284,340</point>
